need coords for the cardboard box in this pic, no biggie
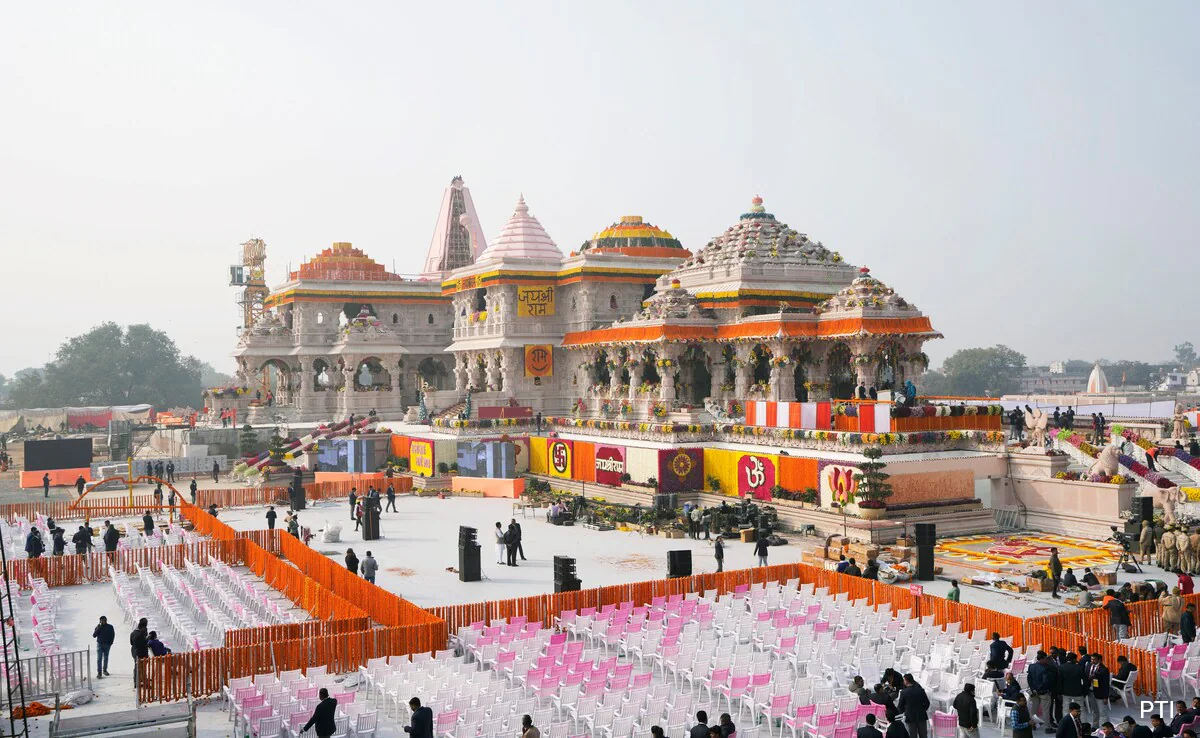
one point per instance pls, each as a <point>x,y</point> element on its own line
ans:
<point>906,541</point>
<point>862,551</point>
<point>1038,585</point>
<point>748,535</point>
<point>1106,577</point>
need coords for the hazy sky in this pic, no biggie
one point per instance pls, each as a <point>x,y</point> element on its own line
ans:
<point>1025,173</point>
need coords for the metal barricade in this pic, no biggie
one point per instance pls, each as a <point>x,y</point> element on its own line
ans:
<point>58,673</point>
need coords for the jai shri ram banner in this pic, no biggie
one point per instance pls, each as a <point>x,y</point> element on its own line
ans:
<point>539,360</point>
<point>535,302</point>
<point>610,465</point>
<point>420,457</point>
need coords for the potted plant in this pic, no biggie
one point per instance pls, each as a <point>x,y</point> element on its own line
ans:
<point>873,486</point>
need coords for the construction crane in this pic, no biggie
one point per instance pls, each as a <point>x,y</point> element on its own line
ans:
<point>250,275</point>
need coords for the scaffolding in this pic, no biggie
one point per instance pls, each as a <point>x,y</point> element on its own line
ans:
<point>250,275</point>
<point>14,679</point>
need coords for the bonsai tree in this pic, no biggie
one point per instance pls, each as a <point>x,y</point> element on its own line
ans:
<point>276,445</point>
<point>248,441</point>
<point>873,487</point>
<point>443,467</point>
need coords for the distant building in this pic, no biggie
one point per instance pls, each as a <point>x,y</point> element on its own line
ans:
<point>1047,381</point>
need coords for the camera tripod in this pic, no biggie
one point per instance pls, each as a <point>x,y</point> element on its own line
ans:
<point>1127,557</point>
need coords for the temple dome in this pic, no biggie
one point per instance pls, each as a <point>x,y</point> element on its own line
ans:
<point>344,263</point>
<point>758,236</point>
<point>630,234</point>
<point>1097,383</point>
<point>522,238</point>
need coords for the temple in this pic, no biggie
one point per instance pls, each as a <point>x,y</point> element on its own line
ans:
<point>630,324</point>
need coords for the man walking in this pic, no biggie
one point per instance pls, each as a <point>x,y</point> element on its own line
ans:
<point>369,566</point>
<point>271,515</point>
<point>324,717</point>
<point>111,536</point>
<point>80,483</point>
<point>353,501</point>
<point>914,705</point>
<point>216,475</point>
<point>510,543</point>
<point>520,549</point>
<point>193,487</point>
<point>968,712</point>
<point>82,539</point>
<point>719,552</point>
<point>421,723</point>
<point>391,497</point>
<point>46,484</point>
<point>104,634</point>
<point>351,561</point>
<point>760,550</point>
<point>1055,572</point>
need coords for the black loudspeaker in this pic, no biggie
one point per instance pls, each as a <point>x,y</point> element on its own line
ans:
<point>926,535</point>
<point>679,563</point>
<point>370,520</point>
<point>1145,508</point>
<point>564,575</point>
<point>468,555</point>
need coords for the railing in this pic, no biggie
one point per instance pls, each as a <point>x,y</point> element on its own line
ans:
<point>58,673</point>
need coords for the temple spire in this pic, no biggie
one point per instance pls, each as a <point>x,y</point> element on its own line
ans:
<point>457,236</point>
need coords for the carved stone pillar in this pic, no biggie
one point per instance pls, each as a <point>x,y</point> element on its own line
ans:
<point>460,373</point>
<point>817,372</point>
<point>492,372</point>
<point>716,370</point>
<point>666,390</point>
<point>635,380</point>
<point>743,370</point>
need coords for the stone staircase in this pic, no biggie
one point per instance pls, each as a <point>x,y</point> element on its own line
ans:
<point>452,411</point>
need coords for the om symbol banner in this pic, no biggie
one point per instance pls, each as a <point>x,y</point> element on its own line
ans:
<point>558,459</point>
<point>756,476</point>
<point>539,360</point>
<point>535,302</point>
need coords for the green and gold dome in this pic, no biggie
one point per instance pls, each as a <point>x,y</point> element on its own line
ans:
<point>631,235</point>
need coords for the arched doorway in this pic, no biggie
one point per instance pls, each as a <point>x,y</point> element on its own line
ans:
<point>801,357</point>
<point>695,379</point>
<point>602,375</point>
<point>841,373</point>
<point>432,372</point>
<point>888,370</point>
<point>321,376</point>
<point>275,383</point>
<point>371,376</point>
<point>760,361</point>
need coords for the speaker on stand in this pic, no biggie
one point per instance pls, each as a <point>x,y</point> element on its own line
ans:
<point>926,535</point>
<point>679,564</point>
<point>468,555</point>
<point>564,575</point>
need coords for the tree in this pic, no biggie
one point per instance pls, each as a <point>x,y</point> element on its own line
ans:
<point>109,365</point>
<point>248,441</point>
<point>1077,366</point>
<point>1185,354</point>
<point>276,444</point>
<point>210,377</point>
<point>873,486</point>
<point>1129,373</point>
<point>984,371</point>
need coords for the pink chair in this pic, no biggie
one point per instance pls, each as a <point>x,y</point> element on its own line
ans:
<point>714,681</point>
<point>844,732</point>
<point>445,723</point>
<point>945,725</point>
<point>798,719</point>
<point>775,709</point>
<point>737,687</point>
<point>822,728</point>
